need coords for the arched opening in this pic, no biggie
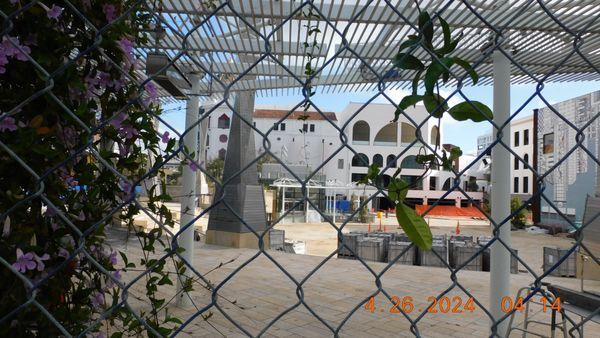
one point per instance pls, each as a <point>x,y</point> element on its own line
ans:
<point>526,159</point>
<point>361,133</point>
<point>410,162</point>
<point>360,160</point>
<point>378,159</point>
<point>387,136</point>
<point>222,153</point>
<point>391,161</point>
<point>224,122</point>
<point>447,184</point>
<point>435,136</point>
<point>408,133</point>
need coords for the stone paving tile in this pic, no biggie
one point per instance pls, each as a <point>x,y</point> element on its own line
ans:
<point>264,292</point>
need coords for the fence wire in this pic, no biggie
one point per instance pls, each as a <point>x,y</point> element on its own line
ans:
<point>185,29</point>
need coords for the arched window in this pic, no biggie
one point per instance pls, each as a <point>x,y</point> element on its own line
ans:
<point>391,161</point>
<point>224,122</point>
<point>447,184</point>
<point>526,158</point>
<point>387,136</point>
<point>361,133</point>
<point>222,153</point>
<point>378,159</point>
<point>435,136</point>
<point>410,162</point>
<point>408,133</point>
<point>360,160</point>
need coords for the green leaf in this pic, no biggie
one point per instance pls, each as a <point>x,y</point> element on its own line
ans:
<point>435,105</point>
<point>434,71</point>
<point>397,189</point>
<point>451,47</point>
<point>426,27</point>
<point>414,226</point>
<point>407,61</point>
<point>423,159</point>
<point>446,31</point>
<point>467,67</point>
<point>415,81</point>
<point>471,110</point>
<point>407,44</point>
<point>406,102</point>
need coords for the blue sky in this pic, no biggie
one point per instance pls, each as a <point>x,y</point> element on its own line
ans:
<point>463,134</point>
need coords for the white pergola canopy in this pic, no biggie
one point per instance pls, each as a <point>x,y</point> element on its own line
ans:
<point>218,40</point>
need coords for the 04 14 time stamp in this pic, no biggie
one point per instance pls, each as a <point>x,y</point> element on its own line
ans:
<point>456,304</point>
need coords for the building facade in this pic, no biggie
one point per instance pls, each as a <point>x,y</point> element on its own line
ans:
<point>573,173</point>
<point>522,142</point>
<point>303,141</point>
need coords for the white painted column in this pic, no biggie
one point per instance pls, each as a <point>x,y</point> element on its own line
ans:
<point>188,201</point>
<point>334,201</point>
<point>500,197</point>
<point>306,209</point>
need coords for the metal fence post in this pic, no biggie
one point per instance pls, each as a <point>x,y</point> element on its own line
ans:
<point>500,199</point>
<point>188,199</point>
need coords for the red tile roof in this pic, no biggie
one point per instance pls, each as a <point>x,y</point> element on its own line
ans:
<point>279,113</point>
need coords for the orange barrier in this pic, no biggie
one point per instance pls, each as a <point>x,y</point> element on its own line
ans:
<point>448,210</point>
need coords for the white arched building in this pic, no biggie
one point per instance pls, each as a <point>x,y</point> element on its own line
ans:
<point>371,138</point>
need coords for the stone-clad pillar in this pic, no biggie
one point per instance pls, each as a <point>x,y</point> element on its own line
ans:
<point>244,194</point>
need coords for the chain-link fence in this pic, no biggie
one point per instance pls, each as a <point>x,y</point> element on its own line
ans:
<point>74,137</point>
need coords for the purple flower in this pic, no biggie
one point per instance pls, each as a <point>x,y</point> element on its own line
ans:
<point>7,123</point>
<point>193,166</point>
<point>40,261</point>
<point>104,79</point>
<point>98,299</point>
<point>62,252</point>
<point>112,258</point>
<point>110,11</point>
<point>117,275</point>
<point>123,150</point>
<point>128,131</point>
<point>165,137</point>
<point>81,216</point>
<point>24,261</point>
<point>118,120</point>
<point>126,46</point>
<point>54,12</point>
<point>152,93</point>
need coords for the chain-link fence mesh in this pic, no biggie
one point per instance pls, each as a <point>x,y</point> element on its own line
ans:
<point>283,48</point>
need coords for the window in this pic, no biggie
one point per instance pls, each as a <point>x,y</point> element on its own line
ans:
<point>525,137</point>
<point>410,162</point>
<point>408,133</point>
<point>360,133</point>
<point>340,163</point>
<point>276,126</point>
<point>526,159</point>
<point>223,138</point>
<point>432,183</point>
<point>525,185</point>
<point>209,122</point>
<point>378,159</point>
<point>516,164</point>
<point>387,136</point>
<point>282,126</point>
<point>224,122</point>
<point>516,142</point>
<point>391,161</point>
<point>516,185</point>
<point>414,182</point>
<point>548,146</point>
<point>357,177</point>
<point>305,127</point>
<point>312,128</point>
<point>360,160</point>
